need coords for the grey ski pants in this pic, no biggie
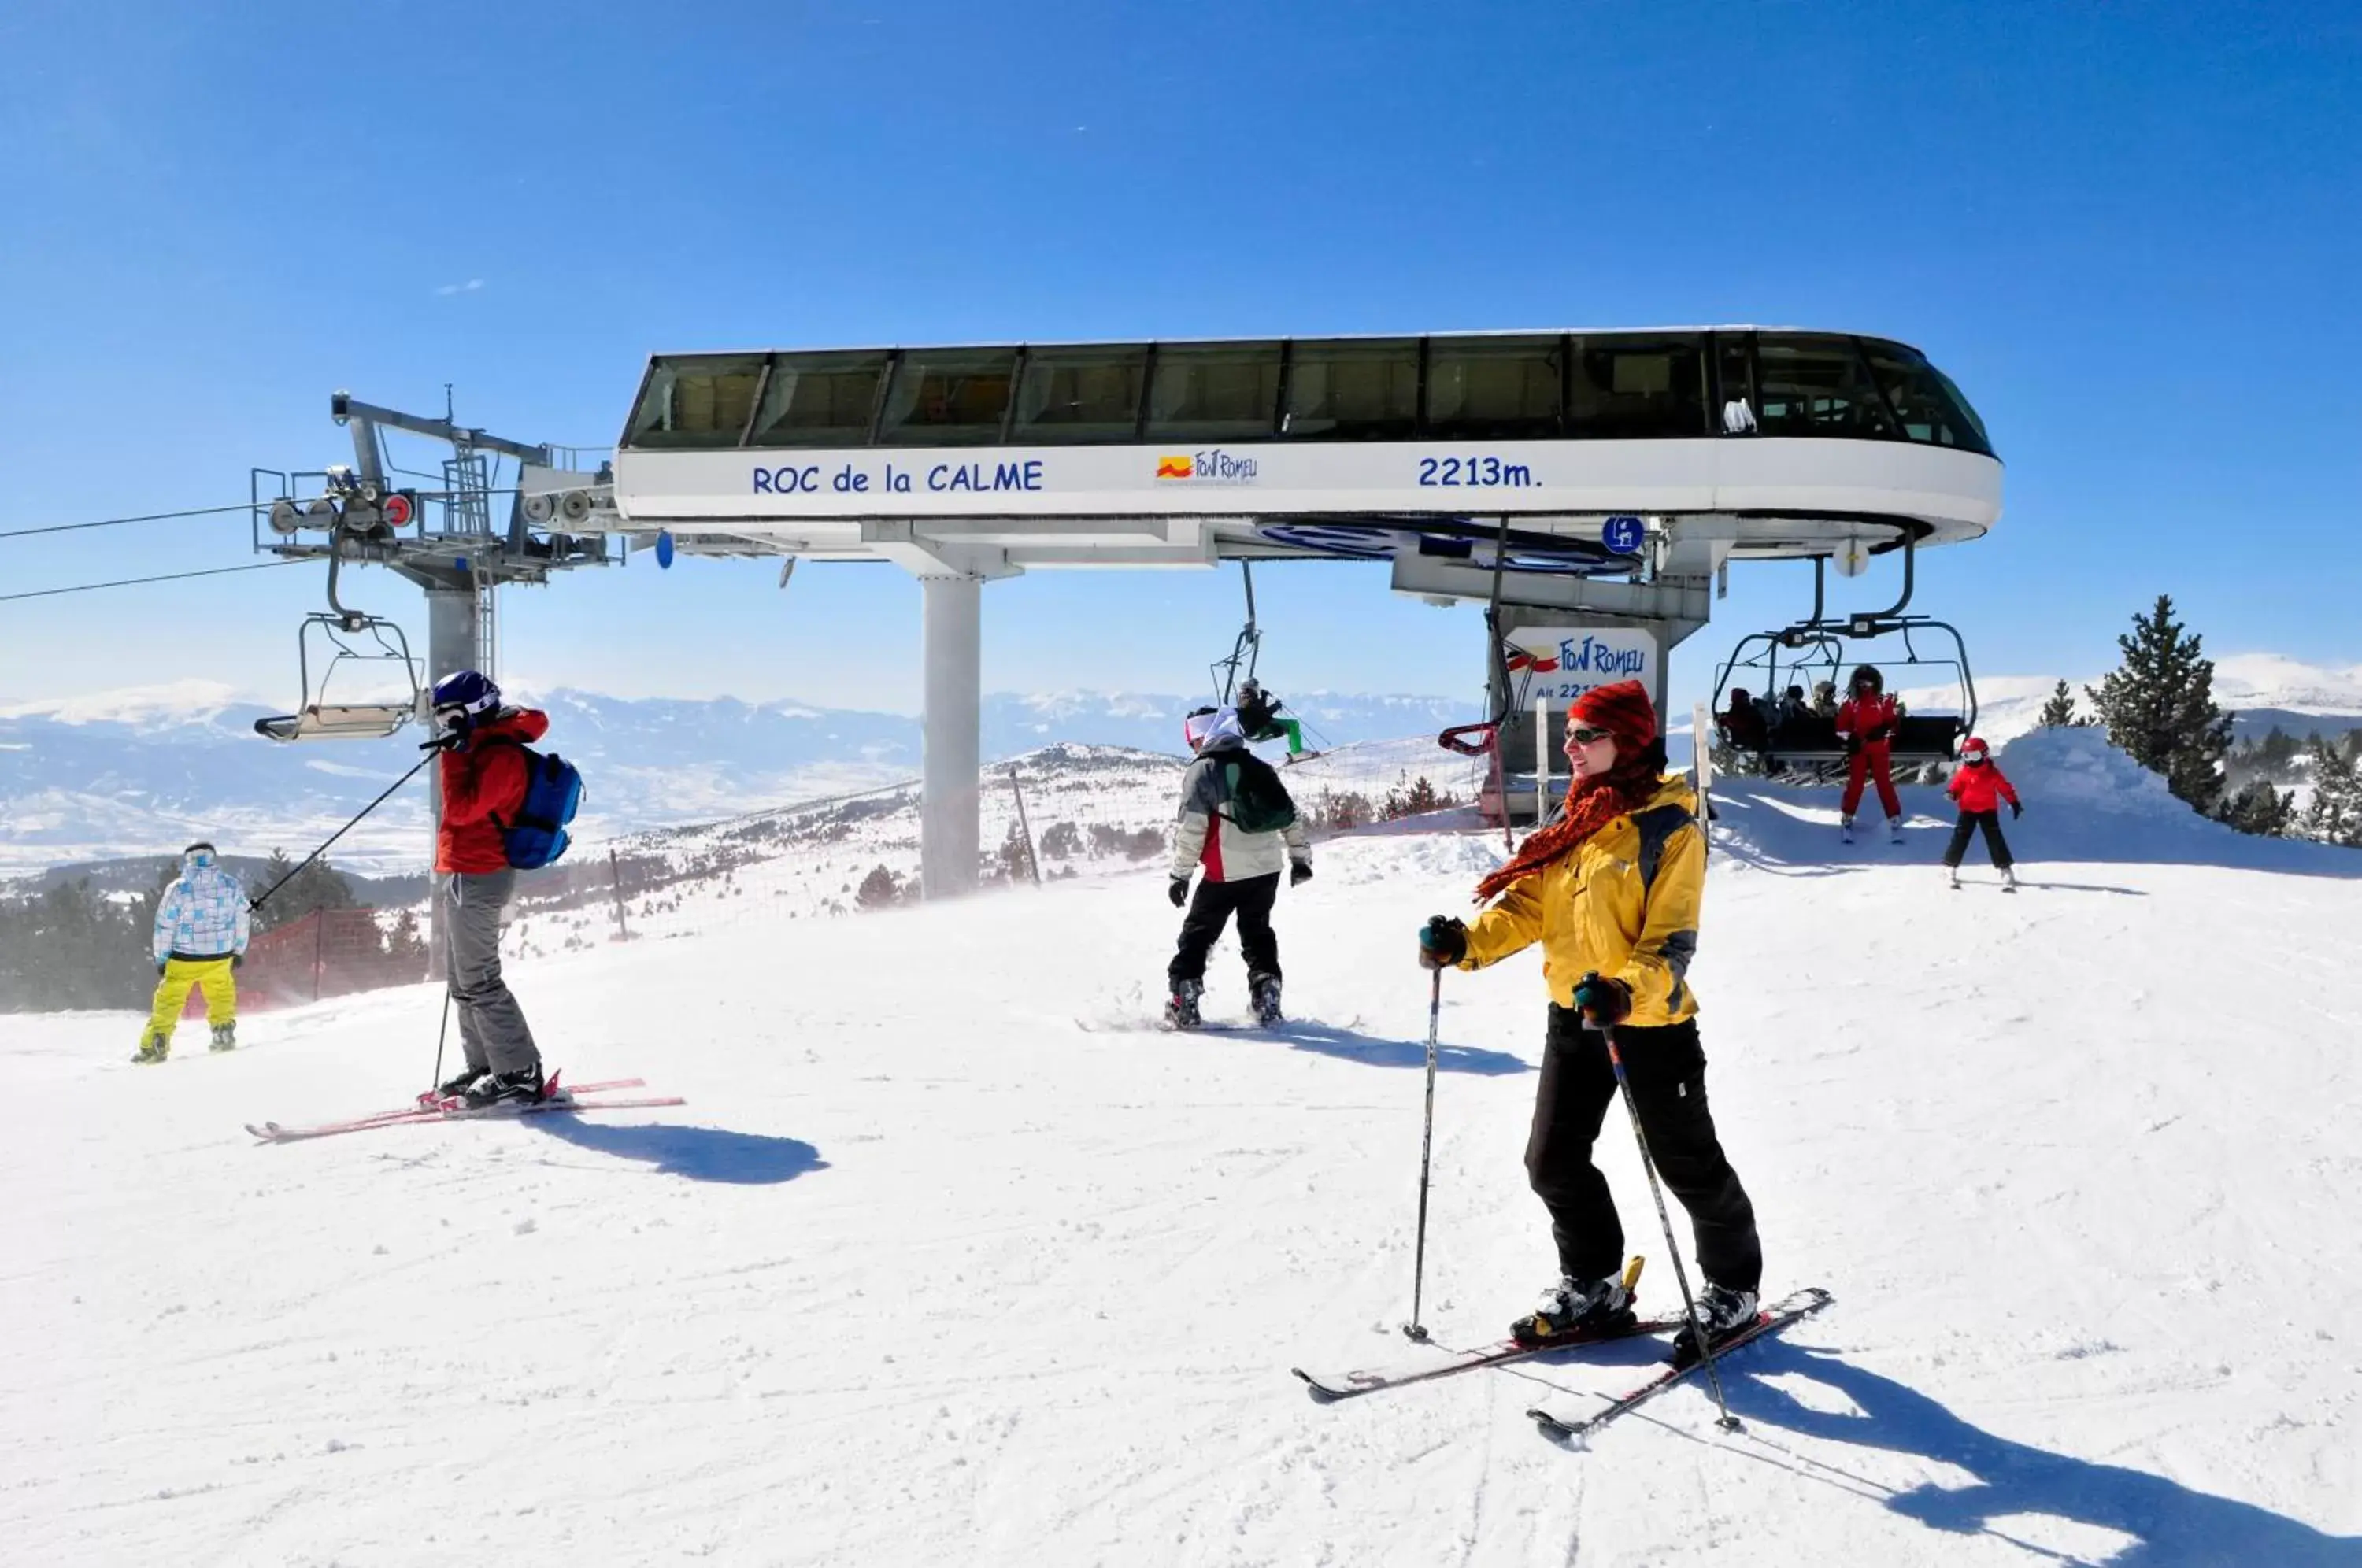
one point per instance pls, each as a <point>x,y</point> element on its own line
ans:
<point>492,1031</point>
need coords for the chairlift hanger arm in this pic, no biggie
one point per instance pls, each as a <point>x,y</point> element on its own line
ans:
<point>343,407</point>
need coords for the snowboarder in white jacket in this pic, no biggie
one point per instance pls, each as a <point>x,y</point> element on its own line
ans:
<point>201,924</point>
<point>1239,827</point>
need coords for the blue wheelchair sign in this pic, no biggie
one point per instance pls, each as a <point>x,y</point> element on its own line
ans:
<point>1623,535</point>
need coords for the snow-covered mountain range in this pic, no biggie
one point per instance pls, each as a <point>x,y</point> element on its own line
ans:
<point>147,770</point>
<point>143,771</point>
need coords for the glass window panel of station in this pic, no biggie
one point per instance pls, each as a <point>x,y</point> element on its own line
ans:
<point>696,402</point>
<point>1627,388</point>
<point>947,397</point>
<point>1354,391</point>
<point>1735,383</point>
<point>819,399</point>
<point>1929,406</point>
<point>1494,389</point>
<point>1080,394</point>
<point>1213,392</point>
<point>1816,385</point>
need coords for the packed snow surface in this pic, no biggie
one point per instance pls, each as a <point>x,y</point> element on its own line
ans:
<point>951,1258</point>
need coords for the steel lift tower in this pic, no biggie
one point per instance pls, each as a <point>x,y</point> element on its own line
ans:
<point>363,514</point>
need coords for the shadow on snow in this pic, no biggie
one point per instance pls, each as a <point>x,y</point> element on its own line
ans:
<point>1371,1051</point>
<point>2171,1524</point>
<point>701,1154</point>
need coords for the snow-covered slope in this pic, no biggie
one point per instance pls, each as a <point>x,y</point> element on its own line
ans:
<point>951,1259</point>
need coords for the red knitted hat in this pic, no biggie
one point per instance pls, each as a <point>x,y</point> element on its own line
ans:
<point>1623,709</point>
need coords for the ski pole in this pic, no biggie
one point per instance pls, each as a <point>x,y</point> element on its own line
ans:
<point>373,805</point>
<point>1729,1422</point>
<point>440,1035</point>
<point>1416,1329</point>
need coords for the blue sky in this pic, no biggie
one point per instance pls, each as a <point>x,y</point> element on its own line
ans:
<point>2128,232</point>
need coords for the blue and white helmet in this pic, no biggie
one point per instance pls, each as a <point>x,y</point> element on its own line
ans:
<point>463,699</point>
<point>197,856</point>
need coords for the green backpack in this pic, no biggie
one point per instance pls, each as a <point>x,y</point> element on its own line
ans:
<point>1259,801</point>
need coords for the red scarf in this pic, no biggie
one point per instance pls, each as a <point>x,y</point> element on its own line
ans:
<point>1626,788</point>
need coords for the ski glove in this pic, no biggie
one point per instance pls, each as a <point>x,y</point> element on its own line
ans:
<point>1179,889</point>
<point>161,964</point>
<point>1299,873</point>
<point>1443,942</point>
<point>449,740</point>
<point>237,960</point>
<point>2016,809</point>
<point>1852,744</point>
<point>1604,1001</point>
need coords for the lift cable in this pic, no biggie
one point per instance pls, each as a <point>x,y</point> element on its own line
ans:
<point>116,522</point>
<point>136,582</point>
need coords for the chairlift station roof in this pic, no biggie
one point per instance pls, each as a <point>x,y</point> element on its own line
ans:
<point>1771,443</point>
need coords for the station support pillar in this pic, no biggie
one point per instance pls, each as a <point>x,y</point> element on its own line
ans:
<point>952,644</point>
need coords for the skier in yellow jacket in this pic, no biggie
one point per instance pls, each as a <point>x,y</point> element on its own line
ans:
<point>1611,890</point>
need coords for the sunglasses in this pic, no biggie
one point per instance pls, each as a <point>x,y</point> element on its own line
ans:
<point>1589,737</point>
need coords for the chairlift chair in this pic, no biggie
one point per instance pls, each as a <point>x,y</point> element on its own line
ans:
<point>341,633</point>
<point>1809,743</point>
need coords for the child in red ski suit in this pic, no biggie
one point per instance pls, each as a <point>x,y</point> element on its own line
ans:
<point>1979,787</point>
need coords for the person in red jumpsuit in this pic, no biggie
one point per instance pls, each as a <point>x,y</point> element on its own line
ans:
<point>1867,721</point>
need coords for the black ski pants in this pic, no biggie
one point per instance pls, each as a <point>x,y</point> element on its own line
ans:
<point>1251,900</point>
<point>1994,843</point>
<point>1667,1070</point>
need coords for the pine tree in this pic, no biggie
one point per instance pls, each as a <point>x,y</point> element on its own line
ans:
<point>2334,815</point>
<point>2058,713</point>
<point>405,940</point>
<point>316,887</point>
<point>2260,810</point>
<point>2158,706</point>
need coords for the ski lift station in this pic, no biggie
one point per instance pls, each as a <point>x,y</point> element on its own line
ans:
<point>1590,488</point>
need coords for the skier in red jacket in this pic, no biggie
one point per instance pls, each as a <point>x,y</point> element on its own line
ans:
<point>1867,721</point>
<point>484,776</point>
<point>1980,788</point>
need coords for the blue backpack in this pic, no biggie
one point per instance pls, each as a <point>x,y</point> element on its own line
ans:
<point>553,789</point>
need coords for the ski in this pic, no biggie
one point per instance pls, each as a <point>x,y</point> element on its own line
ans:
<point>276,1132</point>
<point>1215,1026</point>
<point>1331,1386</point>
<point>1771,1321</point>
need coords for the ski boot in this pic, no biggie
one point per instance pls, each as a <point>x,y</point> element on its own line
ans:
<point>1264,990</point>
<point>1895,830</point>
<point>1576,1310</point>
<point>1953,872</point>
<point>225,1036</point>
<point>448,1091</point>
<point>522,1086</point>
<point>1721,1314</point>
<point>1845,829</point>
<point>153,1047</point>
<point>2009,878</point>
<point>1181,1007</point>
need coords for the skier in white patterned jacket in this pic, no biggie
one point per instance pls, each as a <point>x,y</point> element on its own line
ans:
<point>1238,826</point>
<point>202,925</point>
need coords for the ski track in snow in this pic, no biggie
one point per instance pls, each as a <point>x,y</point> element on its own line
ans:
<point>925,1273</point>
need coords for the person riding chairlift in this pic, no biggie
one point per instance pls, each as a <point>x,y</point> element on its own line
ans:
<point>1259,716</point>
<point>1743,724</point>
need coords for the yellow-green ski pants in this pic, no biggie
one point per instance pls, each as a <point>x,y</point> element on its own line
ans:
<point>210,975</point>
